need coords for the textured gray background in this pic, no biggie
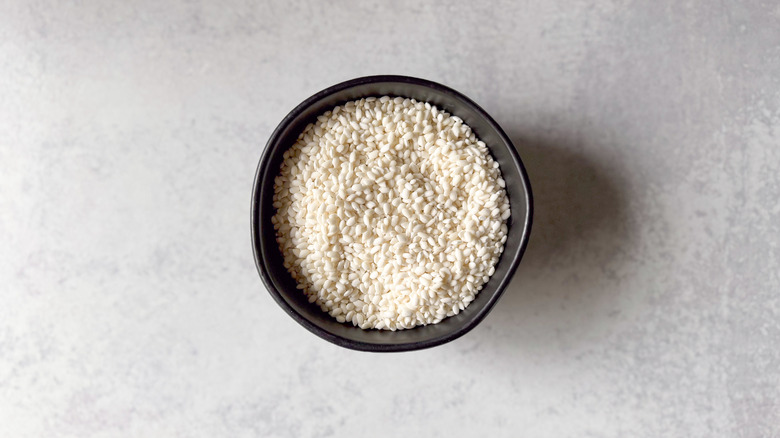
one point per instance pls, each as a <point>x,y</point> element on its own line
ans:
<point>648,303</point>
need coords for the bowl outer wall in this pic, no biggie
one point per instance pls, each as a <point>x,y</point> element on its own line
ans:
<point>269,260</point>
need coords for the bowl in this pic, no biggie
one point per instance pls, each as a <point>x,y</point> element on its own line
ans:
<point>268,257</point>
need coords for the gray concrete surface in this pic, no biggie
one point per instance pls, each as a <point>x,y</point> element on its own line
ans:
<point>648,303</point>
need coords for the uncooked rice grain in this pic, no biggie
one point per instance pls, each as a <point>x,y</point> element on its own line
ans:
<point>390,213</point>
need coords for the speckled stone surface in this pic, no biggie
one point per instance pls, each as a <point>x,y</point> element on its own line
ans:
<point>648,303</point>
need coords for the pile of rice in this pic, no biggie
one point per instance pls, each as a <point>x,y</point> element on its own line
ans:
<point>390,213</point>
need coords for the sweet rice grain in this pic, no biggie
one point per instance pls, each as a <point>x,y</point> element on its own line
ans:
<point>390,213</point>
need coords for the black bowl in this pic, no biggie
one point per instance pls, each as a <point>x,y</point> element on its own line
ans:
<point>269,259</point>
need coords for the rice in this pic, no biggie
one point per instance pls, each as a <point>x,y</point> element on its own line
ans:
<point>390,213</point>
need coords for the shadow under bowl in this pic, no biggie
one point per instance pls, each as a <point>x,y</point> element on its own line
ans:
<point>268,257</point>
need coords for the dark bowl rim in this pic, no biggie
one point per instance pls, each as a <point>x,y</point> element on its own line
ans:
<point>365,346</point>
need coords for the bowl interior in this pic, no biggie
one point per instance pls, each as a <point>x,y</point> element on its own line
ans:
<point>269,258</point>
